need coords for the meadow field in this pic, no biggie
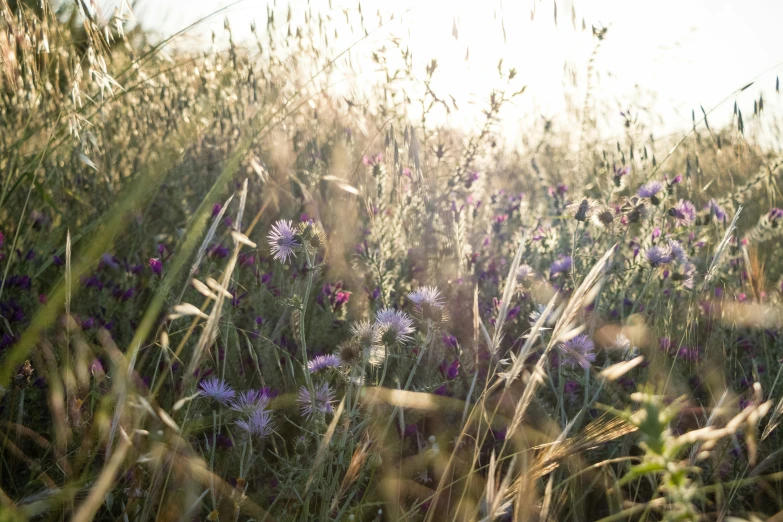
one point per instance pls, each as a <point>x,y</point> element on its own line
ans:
<point>232,289</point>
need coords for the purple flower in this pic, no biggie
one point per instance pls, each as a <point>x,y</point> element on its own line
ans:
<point>716,210</point>
<point>216,389</point>
<point>561,265</point>
<point>683,212</point>
<point>109,261</point>
<point>216,209</point>
<point>525,271</point>
<point>659,255</point>
<point>650,189</point>
<point>450,371</point>
<point>282,240</point>
<point>678,252</point>
<point>449,340</point>
<point>219,251</point>
<point>426,299</point>
<point>156,265</point>
<point>397,325</point>
<point>259,424</point>
<point>322,362</point>
<point>578,351</point>
<point>250,401</point>
<point>321,402</point>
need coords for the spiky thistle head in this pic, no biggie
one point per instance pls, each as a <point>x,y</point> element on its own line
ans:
<point>283,240</point>
<point>396,324</point>
<point>320,402</point>
<point>216,389</point>
<point>259,424</point>
<point>251,401</point>
<point>578,351</point>
<point>428,302</point>
<point>322,362</point>
<point>369,337</point>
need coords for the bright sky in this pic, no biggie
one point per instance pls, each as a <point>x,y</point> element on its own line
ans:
<point>684,53</point>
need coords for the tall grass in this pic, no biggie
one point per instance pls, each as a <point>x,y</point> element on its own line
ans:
<point>231,292</point>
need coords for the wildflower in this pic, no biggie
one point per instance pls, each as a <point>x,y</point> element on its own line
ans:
<point>156,265</point>
<point>578,351</point>
<point>525,271</point>
<point>678,252</point>
<point>282,240</point>
<point>321,402</point>
<point>449,340</point>
<point>659,255</point>
<point>650,190</point>
<point>322,362</point>
<point>536,313</point>
<point>602,217</point>
<point>250,401</point>
<point>571,390</point>
<point>216,209</point>
<point>581,211</point>
<point>397,325</point>
<point>561,265</point>
<point>635,209</point>
<point>683,212</point>
<point>618,176</point>
<point>216,389</point>
<point>622,344</point>
<point>369,336</point>
<point>350,352</point>
<point>450,371</point>
<point>259,424</point>
<point>219,251</point>
<point>427,301</point>
<point>716,210</point>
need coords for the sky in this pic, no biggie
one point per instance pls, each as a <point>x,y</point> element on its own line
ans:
<point>677,55</point>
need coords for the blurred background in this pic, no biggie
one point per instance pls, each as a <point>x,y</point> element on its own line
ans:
<point>666,57</point>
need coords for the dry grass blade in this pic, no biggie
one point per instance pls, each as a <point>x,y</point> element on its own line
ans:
<point>615,371</point>
<point>95,499</point>
<point>578,300</point>
<point>508,293</point>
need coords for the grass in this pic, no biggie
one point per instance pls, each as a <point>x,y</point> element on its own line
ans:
<point>231,292</point>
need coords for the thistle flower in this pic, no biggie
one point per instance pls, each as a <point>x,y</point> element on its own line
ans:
<point>561,265</point>
<point>659,255</point>
<point>321,402</point>
<point>282,240</point>
<point>578,351</point>
<point>715,210</point>
<point>683,212</point>
<point>259,424</point>
<point>635,209</point>
<point>602,217</point>
<point>678,252</point>
<point>525,271</point>
<point>216,389</point>
<point>369,337</point>
<point>582,210</point>
<point>622,344</point>
<point>322,362</point>
<point>650,189</point>
<point>250,401</point>
<point>397,325</point>
<point>427,301</point>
